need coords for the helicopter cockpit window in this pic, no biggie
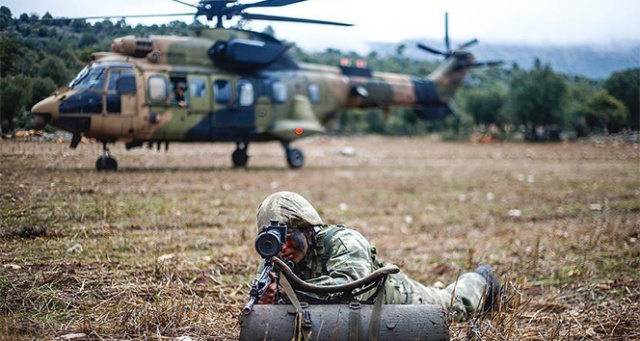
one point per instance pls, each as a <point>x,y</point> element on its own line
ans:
<point>79,77</point>
<point>314,93</point>
<point>222,90</point>
<point>158,89</point>
<point>245,94</point>
<point>280,94</point>
<point>92,78</point>
<point>115,74</point>
<point>114,104</point>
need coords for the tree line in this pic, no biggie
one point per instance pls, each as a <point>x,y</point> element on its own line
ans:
<point>40,54</point>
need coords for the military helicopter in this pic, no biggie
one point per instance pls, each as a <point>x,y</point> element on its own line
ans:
<point>229,85</point>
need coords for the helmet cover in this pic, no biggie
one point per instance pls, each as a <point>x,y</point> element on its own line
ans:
<point>289,208</point>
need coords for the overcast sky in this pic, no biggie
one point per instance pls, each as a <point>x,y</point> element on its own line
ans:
<point>491,21</point>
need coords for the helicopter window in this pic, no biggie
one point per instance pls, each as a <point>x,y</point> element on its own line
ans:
<point>222,89</point>
<point>79,77</point>
<point>280,92</point>
<point>179,91</point>
<point>245,94</point>
<point>158,90</point>
<point>115,74</point>
<point>314,93</point>
<point>198,88</point>
<point>93,79</point>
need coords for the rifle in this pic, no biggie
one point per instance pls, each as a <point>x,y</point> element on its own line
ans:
<point>268,244</point>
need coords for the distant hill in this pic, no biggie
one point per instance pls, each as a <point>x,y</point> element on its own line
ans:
<point>592,61</point>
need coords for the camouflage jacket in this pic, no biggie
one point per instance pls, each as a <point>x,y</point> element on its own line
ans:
<point>350,257</point>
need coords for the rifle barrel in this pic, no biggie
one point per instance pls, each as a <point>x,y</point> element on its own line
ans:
<point>248,308</point>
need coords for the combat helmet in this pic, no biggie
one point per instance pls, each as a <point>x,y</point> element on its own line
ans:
<point>289,208</point>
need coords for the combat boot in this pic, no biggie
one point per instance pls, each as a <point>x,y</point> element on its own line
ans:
<point>494,291</point>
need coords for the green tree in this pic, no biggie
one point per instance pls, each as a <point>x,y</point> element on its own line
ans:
<point>14,94</point>
<point>54,68</point>
<point>535,99</point>
<point>43,32</point>
<point>579,91</point>
<point>603,111</point>
<point>5,18</point>
<point>484,106</point>
<point>41,88</point>
<point>87,39</point>
<point>79,25</point>
<point>625,86</point>
<point>10,54</point>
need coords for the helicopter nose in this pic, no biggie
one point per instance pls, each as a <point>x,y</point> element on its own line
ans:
<point>45,112</point>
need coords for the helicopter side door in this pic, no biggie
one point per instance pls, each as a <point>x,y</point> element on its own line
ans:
<point>199,109</point>
<point>234,104</point>
<point>273,93</point>
<point>119,107</point>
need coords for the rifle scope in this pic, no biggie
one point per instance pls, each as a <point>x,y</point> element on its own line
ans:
<point>271,239</point>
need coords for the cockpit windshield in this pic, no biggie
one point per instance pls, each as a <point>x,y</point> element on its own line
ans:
<point>80,76</point>
<point>90,78</point>
<point>94,76</point>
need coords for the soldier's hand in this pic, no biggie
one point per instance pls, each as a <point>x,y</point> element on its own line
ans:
<point>269,296</point>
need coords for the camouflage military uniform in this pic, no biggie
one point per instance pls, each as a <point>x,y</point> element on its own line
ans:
<point>351,257</point>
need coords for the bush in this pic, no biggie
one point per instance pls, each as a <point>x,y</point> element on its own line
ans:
<point>604,112</point>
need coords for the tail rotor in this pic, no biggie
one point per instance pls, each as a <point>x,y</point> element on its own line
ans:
<point>463,57</point>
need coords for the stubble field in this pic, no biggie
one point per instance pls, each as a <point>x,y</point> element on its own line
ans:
<point>163,247</point>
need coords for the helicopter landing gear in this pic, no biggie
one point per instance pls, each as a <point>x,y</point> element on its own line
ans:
<point>239,156</point>
<point>295,157</point>
<point>106,162</point>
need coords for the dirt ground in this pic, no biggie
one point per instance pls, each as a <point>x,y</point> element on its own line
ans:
<point>163,247</point>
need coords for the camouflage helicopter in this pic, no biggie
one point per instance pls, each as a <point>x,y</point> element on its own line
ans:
<point>230,85</point>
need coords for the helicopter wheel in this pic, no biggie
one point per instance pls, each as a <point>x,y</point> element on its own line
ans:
<point>239,156</point>
<point>295,158</point>
<point>108,164</point>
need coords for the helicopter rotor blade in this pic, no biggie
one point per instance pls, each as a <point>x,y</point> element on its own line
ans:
<point>487,63</point>
<point>249,16</point>
<point>121,16</point>
<point>467,44</point>
<point>432,50</point>
<point>491,63</point>
<point>265,3</point>
<point>273,3</point>
<point>185,3</point>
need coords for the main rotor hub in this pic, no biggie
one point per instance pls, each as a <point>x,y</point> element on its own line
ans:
<point>215,8</point>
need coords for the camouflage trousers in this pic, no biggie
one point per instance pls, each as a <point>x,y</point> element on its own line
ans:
<point>462,298</point>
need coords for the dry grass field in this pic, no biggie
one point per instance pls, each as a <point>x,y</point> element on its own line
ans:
<point>163,248</point>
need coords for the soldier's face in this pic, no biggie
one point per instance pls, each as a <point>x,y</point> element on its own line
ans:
<point>296,247</point>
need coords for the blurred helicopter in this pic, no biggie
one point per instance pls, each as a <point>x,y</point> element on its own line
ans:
<point>230,85</point>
